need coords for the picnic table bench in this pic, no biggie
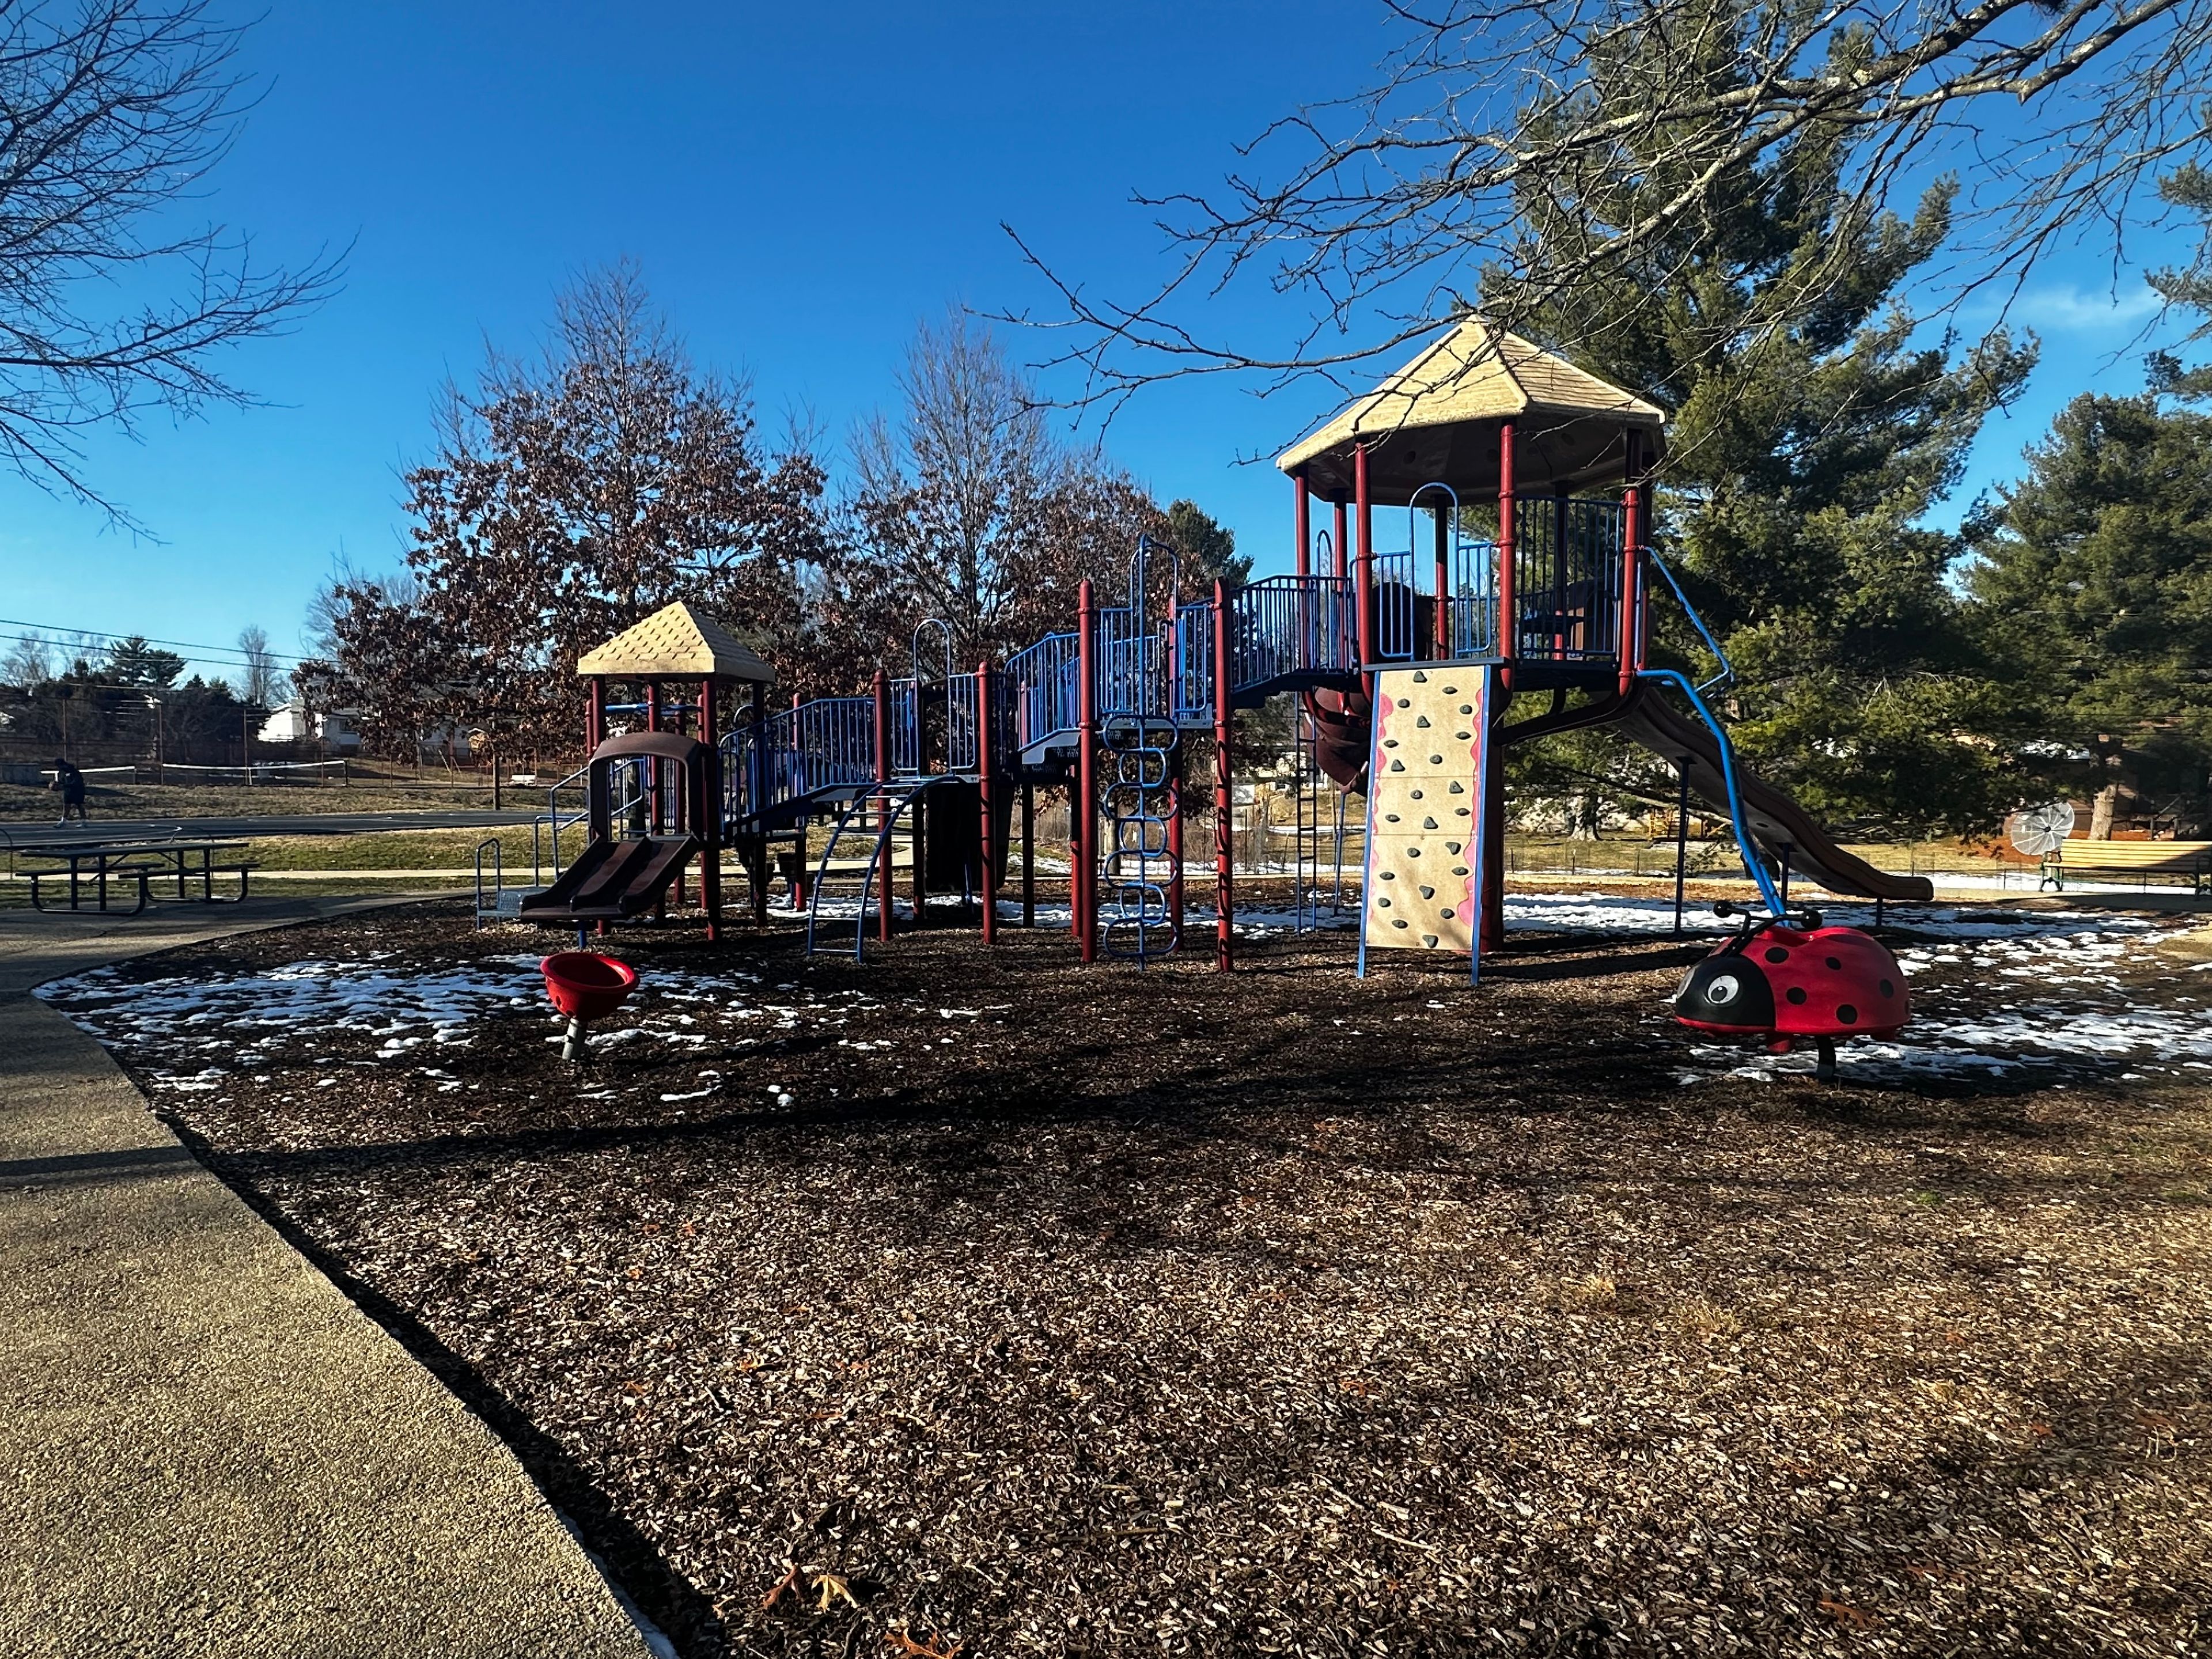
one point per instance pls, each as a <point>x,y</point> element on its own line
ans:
<point>2190,858</point>
<point>132,864</point>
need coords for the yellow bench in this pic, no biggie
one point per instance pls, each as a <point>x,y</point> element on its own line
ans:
<point>2191,859</point>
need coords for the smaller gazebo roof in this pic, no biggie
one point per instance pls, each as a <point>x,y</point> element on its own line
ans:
<point>676,642</point>
<point>1436,419</point>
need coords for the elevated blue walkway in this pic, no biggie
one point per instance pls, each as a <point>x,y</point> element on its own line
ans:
<point>1283,634</point>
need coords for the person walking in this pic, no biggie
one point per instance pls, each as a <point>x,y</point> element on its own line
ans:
<point>71,781</point>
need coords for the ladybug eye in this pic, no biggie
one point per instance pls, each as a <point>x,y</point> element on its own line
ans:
<point>1722,991</point>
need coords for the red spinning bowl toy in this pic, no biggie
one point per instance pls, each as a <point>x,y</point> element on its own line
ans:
<point>1781,983</point>
<point>584,987</point>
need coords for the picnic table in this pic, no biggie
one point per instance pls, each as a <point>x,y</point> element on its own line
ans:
<point>133,863</point>
<point>2189,859</point>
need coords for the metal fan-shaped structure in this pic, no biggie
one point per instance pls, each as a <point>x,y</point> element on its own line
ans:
<point>2039,831</point>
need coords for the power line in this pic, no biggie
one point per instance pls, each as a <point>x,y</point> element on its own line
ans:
<point>229,655</point>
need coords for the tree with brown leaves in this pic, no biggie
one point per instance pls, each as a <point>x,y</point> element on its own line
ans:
<point>570,496</point>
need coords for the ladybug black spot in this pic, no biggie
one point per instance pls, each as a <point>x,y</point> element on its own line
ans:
<point>1847,1015</point>
<point>1796,994</point>
<point>1778,954</point>
<point>1888,989</point>
<point>1835,964</point>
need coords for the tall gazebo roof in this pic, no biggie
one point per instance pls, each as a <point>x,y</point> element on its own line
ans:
<point>1436,421</point>
<point>676,642</point>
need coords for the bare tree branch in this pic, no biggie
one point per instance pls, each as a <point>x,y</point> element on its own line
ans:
<point>1515,153</point>
<point>111,113</point>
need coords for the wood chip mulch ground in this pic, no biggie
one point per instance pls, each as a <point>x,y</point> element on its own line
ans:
<point>985,1304</point>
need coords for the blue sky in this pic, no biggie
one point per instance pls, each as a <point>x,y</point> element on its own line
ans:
<point>801,187</point>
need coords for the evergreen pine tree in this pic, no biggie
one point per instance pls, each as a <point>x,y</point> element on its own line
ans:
<point>2095,578</point>
<point>1811,435</point>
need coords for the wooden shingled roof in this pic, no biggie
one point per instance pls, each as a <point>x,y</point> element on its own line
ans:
<point>676,642</point>
<point>1569,423</point>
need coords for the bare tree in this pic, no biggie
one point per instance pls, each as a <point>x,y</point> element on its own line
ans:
<point>29,663</point>
<point>1513,151</point>
<point>262,684</point>
<point>947,502</point>
<point>969,508</point>
<point>112,112</point>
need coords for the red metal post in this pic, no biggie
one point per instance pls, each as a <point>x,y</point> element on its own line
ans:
<point>595,725</point>
<point>1174,779</point>
<point>1443,617</point>
<point>1342,550</point>
<point>1492,807</point>
<point>1508,618</point>
<point>883,693</point>
<point>1304,497</point>
<point>710,807</point>
<point>756,788</point>
<point>983,791</point>
<point>1084,878</point>
<point>1223,861</point>
<point>652,767</point>
<point>1364,585</point>
<point>1632,569</point>
<point>1029,853</point>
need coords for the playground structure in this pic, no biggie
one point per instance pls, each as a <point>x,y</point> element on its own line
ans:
<point>1526,571</point>
<point>653,797</point>
<point>1553,601</point>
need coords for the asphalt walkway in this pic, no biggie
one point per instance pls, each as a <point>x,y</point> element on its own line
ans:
<point>206,1449</point>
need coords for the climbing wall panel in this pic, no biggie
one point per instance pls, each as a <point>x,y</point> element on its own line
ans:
<point>1425,809</point>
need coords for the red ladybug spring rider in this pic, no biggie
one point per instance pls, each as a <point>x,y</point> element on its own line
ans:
<point>1781,983</point>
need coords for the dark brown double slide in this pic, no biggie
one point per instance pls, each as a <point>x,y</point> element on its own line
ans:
<point>612,879</point>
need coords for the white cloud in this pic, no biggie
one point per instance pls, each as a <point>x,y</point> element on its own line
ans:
<point>2069,307</point>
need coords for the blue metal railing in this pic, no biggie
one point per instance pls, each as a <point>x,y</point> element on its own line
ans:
<point>1041,689</point>
<point>963,751</point>
<point>1471,600</point>
<point>1130,659</point>
<point>903,711</point>
<point>1724,675</point>
<point>1193,691</point>
<point>827,743</point>
<point>1287,628</point>
<point>1393,607</point>
<point>1566,577</point>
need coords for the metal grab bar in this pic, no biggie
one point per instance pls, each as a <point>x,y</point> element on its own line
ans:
<point>1751,864</point>
<point>1726,677</point>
